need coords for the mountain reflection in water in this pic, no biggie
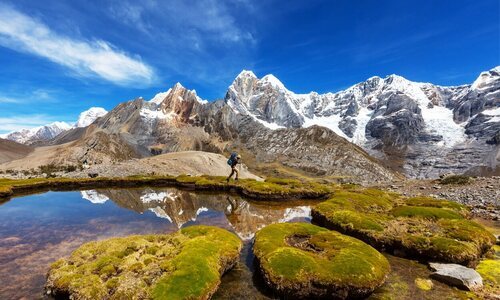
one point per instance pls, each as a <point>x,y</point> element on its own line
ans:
<point>39,229</point>
<point>183,208</point>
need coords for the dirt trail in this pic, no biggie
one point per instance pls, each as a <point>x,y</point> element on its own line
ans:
<point>188,162</point>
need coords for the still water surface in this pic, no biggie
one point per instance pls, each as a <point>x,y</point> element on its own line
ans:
<point>39,229</point>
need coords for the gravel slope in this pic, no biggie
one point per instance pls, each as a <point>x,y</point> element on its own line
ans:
<point>187,162</point>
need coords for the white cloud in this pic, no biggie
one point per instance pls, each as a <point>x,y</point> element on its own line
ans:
<point>28,96</point>
<point>196,22</point>
<point>8,100</point>
<point>21,32</point>
<point>206,41</point>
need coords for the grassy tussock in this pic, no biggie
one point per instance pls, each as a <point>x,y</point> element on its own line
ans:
<point>184,265</point>
<point>333,263</point>
<point>429,228</point>
<point>455,179</point>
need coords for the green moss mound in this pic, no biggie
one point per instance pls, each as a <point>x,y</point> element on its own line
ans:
<point>183,265</point>
<point>490,271</point>
<point>419,227</point>
<point>455,179</point>
<point>300,260</point>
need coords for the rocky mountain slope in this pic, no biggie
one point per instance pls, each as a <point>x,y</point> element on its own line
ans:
<point>425,128</point>
<point>419,128</point>
<point>10,150</point>
<point>196,163</point>
<point>178,120</point>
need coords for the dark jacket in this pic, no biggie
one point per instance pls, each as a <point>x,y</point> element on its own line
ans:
<point>234,163</point>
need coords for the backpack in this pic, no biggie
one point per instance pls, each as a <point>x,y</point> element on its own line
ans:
<point>232,158</point>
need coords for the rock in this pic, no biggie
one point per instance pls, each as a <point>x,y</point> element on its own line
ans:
<point>93,175</point>
<point>457,275</point>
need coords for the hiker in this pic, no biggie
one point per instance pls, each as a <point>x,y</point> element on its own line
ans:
<point>233,161</point>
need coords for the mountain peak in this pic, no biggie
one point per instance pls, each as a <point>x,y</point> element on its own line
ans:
<point>271,79</point>
<point>246,73</point>
<point>89,116</point>
<point>395,77</point>
<point>486,78</point>
<point>178,85</point>
<point>61,125</point>
<point>158,98</point>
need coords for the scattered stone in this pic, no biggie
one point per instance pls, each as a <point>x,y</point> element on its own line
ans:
<point>457,275</point>
<point>481,194</point>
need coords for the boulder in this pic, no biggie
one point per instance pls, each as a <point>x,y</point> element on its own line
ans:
<point>457,275</point>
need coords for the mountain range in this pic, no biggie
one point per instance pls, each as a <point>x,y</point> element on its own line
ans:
<point>50,131</point>
<point>364,132</point>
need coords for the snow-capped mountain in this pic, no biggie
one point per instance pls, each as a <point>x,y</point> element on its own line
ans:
<point>364,107</point>
<point>46,132</point>
<point>384,115</point>
<point>50,131</point>
<point>421,129</point>
<point>94,196</point>
<point>89,116</point>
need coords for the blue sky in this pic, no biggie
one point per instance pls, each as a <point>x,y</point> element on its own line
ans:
<point>58,57</point>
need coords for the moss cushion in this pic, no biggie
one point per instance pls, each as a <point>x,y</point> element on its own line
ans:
<point>183,265</point>
<point>300,260</point>
<point>420,227</point>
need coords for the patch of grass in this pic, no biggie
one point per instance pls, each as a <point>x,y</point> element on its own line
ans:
<point>271,189</point>
<point>440,203</point>
<point>423,284</point>
<point>455,179</point>
<point>489,269</point>
<point>352,220</point>
<point>297,256</point>
<point>185,265</point>
<point>424,227</point>
<point>53,168</point>
<point>425,212</point>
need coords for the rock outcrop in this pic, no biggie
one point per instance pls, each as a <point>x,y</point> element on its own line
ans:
<point>457,275</point>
